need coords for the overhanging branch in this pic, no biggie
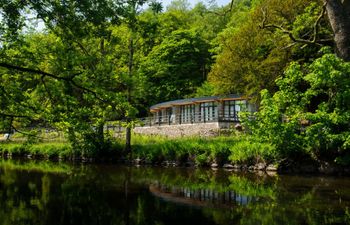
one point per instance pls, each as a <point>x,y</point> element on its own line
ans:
<point>46,74</point>
<point>13,115</point>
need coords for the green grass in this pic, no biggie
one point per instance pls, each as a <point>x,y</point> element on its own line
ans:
<point>203,151</point>
<point>39,150</point>
<point>236,149</point>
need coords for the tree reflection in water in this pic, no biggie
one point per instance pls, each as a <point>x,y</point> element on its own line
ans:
<point>57,193</point>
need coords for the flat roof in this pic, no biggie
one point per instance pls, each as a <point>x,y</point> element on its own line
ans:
<point>190,101</point>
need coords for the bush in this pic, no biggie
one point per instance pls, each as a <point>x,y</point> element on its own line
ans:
<point>308,116</point>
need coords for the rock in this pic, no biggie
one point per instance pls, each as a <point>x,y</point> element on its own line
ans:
<point>137,161</point>
<point>228,166</point>
<point>238,127</point>
<point>9,155</point>
<point>260,166</point>
<point>271,167</point>
<point>214,165</point>
<point>237,167</point>
<point>271,173</point>
<point>252,168</point>
<point>244,167</point>
<point>174,164</point>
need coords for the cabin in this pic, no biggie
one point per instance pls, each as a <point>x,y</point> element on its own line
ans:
<point>204,116</point>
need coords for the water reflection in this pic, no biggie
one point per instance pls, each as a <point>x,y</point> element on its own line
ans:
<point>57,193</point>
<point>199,197</point>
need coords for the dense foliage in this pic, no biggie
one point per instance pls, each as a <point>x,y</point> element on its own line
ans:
<point>90,64</point>
<point>309,114</point>
<point>97,63</point>
<point>254,52</point>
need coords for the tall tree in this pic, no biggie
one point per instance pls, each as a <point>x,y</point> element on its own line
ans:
<point>255,51</point>
<point>338,12</point>
<point>72,68</point>
<point>131,19</point>
<point>177,66</point>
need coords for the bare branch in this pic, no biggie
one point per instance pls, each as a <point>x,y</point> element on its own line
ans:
<point>314,41</point>
<point>317,22</point>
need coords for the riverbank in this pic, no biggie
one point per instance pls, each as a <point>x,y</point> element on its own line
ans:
<point>238,153</point>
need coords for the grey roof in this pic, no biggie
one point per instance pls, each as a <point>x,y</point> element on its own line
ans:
<point>193,101</point>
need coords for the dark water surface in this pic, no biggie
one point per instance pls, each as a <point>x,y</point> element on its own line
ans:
<point>56,193</point>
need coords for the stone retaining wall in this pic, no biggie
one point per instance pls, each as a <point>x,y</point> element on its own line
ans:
<point>180,130</point>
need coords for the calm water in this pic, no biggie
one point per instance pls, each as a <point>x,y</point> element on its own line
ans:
<point>55,193</point>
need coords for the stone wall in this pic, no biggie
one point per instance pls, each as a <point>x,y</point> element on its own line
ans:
<point>180,130</point>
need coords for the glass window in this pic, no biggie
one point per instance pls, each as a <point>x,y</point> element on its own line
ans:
<point>187,113</point>
<point>232,108</point>
<point>209,111</point>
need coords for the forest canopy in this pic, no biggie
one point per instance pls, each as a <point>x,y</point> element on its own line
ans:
<point>92,62</point>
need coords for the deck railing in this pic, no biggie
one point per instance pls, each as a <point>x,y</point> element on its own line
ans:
<point>186,119</point>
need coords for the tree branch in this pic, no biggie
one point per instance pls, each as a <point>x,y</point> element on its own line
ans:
<point>24,133</point>
<point>46,89</point>
<point>314,41</point>
<point>317,22</point>
<point>45,74</point>
<point>13,115</point>
<point>29,70</point>
<point>225,12</point>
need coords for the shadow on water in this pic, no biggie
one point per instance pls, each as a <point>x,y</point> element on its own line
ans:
<point>57,193</point>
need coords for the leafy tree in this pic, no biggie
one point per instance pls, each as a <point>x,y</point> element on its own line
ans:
<point>75,80</point>
<point>338,16</point>
<point>74,85</point>
<point>309,114</point>
<point>177,66</point>
<point>255,51</point>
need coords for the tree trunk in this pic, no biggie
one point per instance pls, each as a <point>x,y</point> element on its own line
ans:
<point>338,12</point>
<point>128,139</point>
<point>100,135</point>
<point>128,119</point>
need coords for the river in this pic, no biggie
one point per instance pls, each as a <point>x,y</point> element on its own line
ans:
<point>58,193</point>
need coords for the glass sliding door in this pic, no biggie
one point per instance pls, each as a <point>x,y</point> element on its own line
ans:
<point>209,111</point>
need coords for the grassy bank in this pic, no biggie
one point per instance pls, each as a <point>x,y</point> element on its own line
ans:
<point>244,151</point>
<point>241,150</point>
<point>203,151</point>
<point>156,150</point>
<point>38,150</point>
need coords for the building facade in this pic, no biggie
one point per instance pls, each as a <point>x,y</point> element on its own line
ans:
<point>203,116</point>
